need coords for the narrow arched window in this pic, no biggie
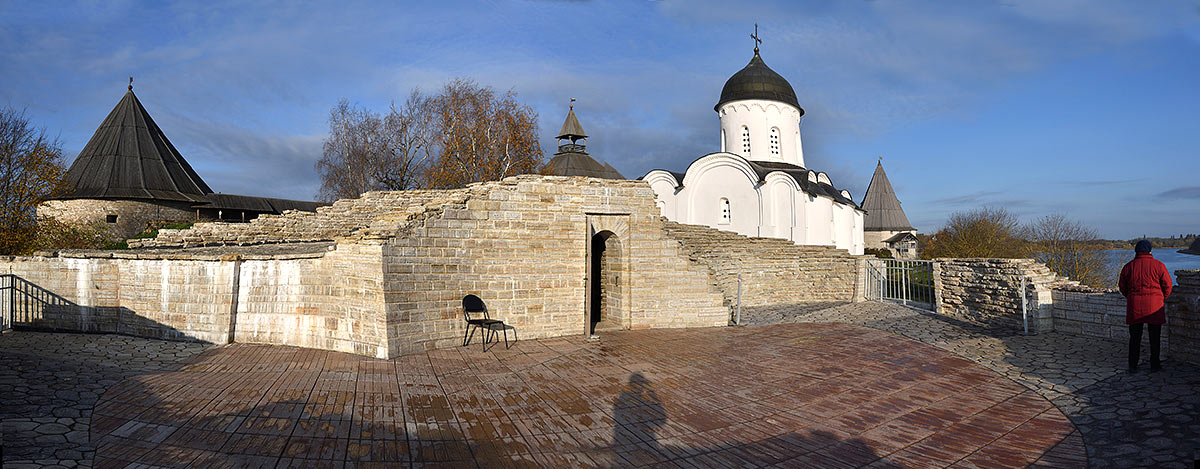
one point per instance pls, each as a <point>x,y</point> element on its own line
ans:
<point>723,140</point>
<point>745,141</point>
<point>725,215</point>
<point>774,141</point>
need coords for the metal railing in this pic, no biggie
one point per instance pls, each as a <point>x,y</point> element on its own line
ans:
<point>8,301</point>
<point>23,301</point>
<point>909,282</point>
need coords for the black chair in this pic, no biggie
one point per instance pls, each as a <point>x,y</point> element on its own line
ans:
<point>476,315</point>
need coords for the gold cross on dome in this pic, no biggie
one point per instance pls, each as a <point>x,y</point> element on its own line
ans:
<point>754,36</point>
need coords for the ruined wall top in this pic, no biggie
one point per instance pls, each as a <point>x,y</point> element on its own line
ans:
<point>374,215</point>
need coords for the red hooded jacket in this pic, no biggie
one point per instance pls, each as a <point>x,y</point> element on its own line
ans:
<point>1145,283</point>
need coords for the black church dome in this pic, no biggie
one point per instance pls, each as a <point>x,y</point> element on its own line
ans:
<point>757,81</point>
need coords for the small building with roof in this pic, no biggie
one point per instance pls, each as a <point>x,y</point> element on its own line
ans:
<point>885,225</point>
<point>129,177</point>
<point>572,158</point>
<point>758,184</point>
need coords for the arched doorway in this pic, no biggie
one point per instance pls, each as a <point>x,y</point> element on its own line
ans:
<point>605,308</point>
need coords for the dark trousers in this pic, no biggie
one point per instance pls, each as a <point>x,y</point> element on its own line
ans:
<point>1135,344</point>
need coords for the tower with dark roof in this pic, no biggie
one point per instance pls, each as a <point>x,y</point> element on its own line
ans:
<point>130,177</point>
<point>885,226</point>
<point>572,158</point>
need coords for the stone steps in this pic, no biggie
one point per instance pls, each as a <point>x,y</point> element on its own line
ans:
<point>774,271</point>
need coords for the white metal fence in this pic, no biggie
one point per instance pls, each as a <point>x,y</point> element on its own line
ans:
<point>909,282</point>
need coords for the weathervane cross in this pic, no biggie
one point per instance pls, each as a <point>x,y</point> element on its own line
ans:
<point>754,36</point>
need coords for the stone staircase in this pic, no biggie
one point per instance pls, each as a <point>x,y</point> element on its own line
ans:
<point>774,271</point>
<point>378,214</point>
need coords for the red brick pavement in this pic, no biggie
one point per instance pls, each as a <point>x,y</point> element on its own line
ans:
<point>797,395</point>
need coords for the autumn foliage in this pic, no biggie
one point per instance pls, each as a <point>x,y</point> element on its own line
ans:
<point>464,133</point>
<point>31,170</point>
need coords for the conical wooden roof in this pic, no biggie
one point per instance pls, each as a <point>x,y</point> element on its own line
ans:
<point>882,206</point>
<point>129,157</point>
<point>580,164</point>
<point>571,128</point>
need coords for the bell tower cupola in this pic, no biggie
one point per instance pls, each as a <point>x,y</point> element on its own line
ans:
<point>571,138</point>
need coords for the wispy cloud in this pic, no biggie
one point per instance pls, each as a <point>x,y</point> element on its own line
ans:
<point>1191,192</point>
<point>977,198</point>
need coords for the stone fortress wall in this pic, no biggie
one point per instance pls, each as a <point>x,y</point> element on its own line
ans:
<point>988,290</point>
<point>1183,315</point>
<point>131,216</point>
<point>384,274</point>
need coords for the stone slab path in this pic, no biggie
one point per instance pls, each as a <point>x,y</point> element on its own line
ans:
<point>49,383</point>
<point>1139,420</point>
<point>797,395</point>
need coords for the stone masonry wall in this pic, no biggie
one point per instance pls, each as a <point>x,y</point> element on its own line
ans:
<point>344,219</point>
<point>1095,312</point>
<point>522,246</point>
<point>311,299</point>
<point>133,216</point>
<point>989,291</point>
<point>775,272</point>
<point>1183,316</point>
<point>384,274</point>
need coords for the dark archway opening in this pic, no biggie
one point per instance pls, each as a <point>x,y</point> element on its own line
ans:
<point>604,280</point>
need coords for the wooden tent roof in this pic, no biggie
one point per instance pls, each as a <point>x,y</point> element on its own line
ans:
<point>129,157</point>
<point>882,206</point>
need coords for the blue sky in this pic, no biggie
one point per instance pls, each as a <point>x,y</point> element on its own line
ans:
<point>1081,107</point>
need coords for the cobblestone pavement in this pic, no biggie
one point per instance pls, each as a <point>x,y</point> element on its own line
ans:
<point>798,395</point>
<point>49,383</point>
<point>1139,420</point>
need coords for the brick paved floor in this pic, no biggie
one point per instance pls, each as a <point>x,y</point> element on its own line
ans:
<point>1140,420</point>
<point>825,395</point>
<point>50,381</point>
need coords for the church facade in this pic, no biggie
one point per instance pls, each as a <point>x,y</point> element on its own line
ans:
<point>757,184</point>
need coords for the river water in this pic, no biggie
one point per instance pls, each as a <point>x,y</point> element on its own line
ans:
<point>1173,259</point>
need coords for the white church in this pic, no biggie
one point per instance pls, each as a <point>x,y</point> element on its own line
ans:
<point>757,185</point>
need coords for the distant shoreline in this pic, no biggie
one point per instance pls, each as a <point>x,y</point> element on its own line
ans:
<point>1188,251</point>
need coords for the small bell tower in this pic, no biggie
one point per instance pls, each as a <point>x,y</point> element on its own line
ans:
<point>571,138</point>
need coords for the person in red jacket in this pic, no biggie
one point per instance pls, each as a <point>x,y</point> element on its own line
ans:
<point>1145,283</point>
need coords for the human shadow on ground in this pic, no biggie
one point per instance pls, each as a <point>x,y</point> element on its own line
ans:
<point>162,422</point>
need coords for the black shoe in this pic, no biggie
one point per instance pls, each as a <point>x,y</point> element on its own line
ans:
<point>1155,368</point>
<point>1132,369</point>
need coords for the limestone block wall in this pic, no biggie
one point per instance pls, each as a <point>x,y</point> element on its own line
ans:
<point>522,245</point>
<point>774,272</point>
<point>313,299</point>
<point>330,302</point>
<point>392,278</point>
<point>989,291</point>
<point>340,220</point>
<point>1183,316</point>
<point>167,299</point>
<point>133,216</point>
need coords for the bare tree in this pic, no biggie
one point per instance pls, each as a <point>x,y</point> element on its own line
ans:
<point>31,171</point>
<point>1069,249</point>
<point>366,151</point>
<point>984,232</point>
<point>482,136</point>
